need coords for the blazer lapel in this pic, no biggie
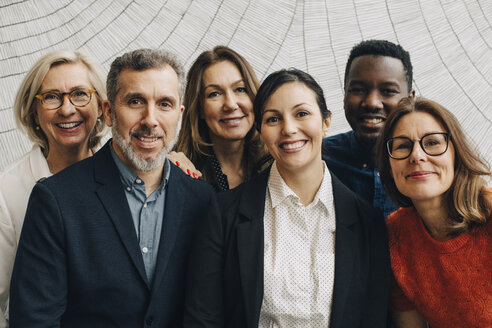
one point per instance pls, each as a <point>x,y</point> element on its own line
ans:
<point>113,199</point>
<point>250,245</point>
<point>170,226</point>
<point>346,217</point>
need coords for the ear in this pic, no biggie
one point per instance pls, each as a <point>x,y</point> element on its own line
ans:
<point>107,111</point>
<point>326,125</point>
<point>411,95</point>
<point>182,109</point>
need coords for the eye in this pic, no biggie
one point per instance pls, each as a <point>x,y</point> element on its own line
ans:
<point>165,105</point>
<point>79,93</point>
<point>388,92</point>
<point>356,90</point>
<point>272,119</point>
<point>51,96</point>
<point>135,102</point>
<point>242,90</point>
<point>302,114</point>
<point>213,94</point>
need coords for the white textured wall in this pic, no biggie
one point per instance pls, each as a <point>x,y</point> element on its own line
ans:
<point>450,43</point>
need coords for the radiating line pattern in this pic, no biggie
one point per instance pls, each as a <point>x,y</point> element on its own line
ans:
<point>450,42</point>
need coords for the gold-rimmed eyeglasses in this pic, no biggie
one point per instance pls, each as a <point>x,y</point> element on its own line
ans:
<point>433,144</point>
<point>77,97</point>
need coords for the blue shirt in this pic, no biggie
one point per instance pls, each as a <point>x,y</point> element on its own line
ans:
<point>356,168</point>
<point>147,212</point>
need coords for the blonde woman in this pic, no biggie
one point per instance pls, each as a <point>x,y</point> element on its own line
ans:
<point>58,105</point>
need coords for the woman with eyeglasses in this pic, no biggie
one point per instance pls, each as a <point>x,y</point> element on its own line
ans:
<point>58,105</point>
<point>440,238</point>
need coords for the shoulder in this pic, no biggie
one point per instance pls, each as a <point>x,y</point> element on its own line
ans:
<point>190,185</point>
<point>21,175</point>
<point>403,217</point>
<point>338,140</point>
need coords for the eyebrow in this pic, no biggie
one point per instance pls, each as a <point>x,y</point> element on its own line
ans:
<point>213,85</point>
<point>70,90</point>
<point>386,83</point>
<point>293,107</point>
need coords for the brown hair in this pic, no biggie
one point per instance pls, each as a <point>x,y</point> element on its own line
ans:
<point>194,139</point>
<point>466,199</point>
<point>25,106</point>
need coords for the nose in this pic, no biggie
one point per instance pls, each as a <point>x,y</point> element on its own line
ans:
<point>149,118</point>
<point>373,100</point>
<point>289,126</point>
<point>66,109</point>
<point>417,154</point>
<point>230,101</point>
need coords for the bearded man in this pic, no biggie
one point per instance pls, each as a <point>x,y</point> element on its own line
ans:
<point>105,242</point>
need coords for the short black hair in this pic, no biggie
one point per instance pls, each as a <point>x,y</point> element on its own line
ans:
<point>279,78</point>
<point>381,48</point>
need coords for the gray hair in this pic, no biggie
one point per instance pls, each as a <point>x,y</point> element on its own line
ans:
<point>143,59</point>
<point>25,106</point>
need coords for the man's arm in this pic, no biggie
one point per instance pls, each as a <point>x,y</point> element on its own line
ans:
<point>38,289</point>
<point>204,291</point>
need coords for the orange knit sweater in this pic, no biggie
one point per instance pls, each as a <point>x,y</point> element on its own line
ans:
<point>449,283</point>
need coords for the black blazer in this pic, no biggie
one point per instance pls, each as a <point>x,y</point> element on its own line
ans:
<point>79,262</point>
<point>225,279</point>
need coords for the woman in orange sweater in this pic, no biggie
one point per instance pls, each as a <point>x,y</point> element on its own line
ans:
<point>440,238</point>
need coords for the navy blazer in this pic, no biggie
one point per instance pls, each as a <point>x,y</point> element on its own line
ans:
<point>225,279</point>
<point>79,263</point>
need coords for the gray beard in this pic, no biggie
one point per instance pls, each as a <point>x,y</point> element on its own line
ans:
<point>136,161</point>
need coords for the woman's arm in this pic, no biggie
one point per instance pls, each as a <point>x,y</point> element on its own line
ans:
<point>408,319</point>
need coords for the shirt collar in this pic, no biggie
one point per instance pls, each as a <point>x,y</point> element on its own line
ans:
<point>280,191</point>
<point>129,178</point>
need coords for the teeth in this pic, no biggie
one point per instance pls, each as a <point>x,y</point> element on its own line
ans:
<point>373,120</point>
<point>231,120</point>
<point>68,125</point>
<point>147,139</point>
<point>292,145</point>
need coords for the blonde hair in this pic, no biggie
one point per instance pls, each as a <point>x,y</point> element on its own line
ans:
<point>467,200</point>
<point>194,139</point>
<point>25,106</point>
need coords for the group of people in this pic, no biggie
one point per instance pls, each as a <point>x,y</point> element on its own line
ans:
<point>220,202</point>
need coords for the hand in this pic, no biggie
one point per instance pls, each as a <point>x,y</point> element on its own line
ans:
<point>181,161</point>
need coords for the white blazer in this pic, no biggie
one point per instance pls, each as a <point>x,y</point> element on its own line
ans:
<point>16,183</point>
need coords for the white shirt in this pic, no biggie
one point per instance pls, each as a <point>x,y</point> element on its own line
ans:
<point>16,183</point>
<point>299,256</point>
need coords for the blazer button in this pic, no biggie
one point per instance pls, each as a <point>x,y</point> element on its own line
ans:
<point>149,320</point>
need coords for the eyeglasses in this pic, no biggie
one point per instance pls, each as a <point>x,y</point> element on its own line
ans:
<point>433,144</point>
<point>54,100</point>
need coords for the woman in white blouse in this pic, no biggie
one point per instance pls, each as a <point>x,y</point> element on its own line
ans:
<point>58,105</point>
<point>293,247</point>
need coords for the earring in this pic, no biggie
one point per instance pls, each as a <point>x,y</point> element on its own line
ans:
<point>37,127</point>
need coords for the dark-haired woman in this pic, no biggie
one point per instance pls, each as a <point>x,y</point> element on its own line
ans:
<point>217,133</point>
<point>293,247</point>
<point>440,240</point>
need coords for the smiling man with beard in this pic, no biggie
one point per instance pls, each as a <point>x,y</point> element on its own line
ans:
<point>105,242</point>
<point>378,75</point>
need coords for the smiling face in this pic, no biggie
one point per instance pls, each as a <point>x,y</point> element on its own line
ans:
<point>145,117</point>
<point>373,88</point>
<point>227,107</point>
<point>421,177</point>
<point>293,129</point>
<point>69,126</point>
